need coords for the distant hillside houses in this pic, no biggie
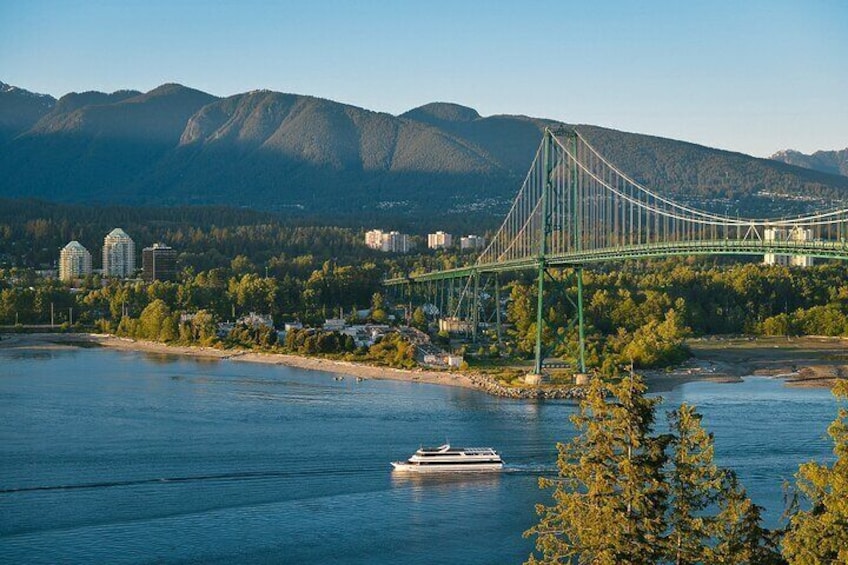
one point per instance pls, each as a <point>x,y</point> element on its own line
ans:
<point>364,335</point>
<point>252,320</point>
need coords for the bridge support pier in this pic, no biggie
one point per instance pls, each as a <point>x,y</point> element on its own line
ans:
<point>498,308</point>
<point>540,320</point>
<point>475,305</point>
<point>581,331</point>
<point>578,320</point>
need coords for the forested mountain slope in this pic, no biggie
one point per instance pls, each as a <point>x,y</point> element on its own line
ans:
<point>301,154</point>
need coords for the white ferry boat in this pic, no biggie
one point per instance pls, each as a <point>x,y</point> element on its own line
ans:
<point>447,458</point>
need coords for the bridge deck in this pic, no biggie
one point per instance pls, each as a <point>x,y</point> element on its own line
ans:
<point>816,249</point>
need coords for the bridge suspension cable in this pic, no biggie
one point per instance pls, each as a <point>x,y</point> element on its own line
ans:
<point>575,204</point>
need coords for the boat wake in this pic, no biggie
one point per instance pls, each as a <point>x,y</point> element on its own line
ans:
<point>244,476</point>
<point>529,469</point>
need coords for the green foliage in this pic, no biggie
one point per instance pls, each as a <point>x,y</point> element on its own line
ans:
<point>378,313</point>
<point>620,498</point>
<point>393,350</point>
<point>646,312</point>
<point>312,342</point>
<point>740,538</point>
<point>610,499</point>
<point>156,322</point>
<point>657,344</point>
<point>819,533</point>
<point>203,328</point>
<point>693,481</point>
<point>829,320</point>
<point>419,319</point>
<point>246,335</point>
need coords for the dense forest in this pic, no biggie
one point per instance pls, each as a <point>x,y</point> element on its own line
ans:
<point>33,231</point>
<point>253,262</point>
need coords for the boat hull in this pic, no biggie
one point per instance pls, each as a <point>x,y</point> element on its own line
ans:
<point>405,467</point>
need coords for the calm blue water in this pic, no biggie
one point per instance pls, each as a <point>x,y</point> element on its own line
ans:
<point>119,457</point>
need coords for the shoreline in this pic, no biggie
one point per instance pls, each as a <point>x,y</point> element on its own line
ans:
<point>348,368</point>
<point>805,362</point>
<point>809,361</point>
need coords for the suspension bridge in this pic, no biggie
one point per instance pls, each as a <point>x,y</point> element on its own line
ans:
<point>575,208</point>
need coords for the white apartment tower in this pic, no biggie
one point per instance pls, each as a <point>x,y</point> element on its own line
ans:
<point>392,241</point>
<point>118,254</point>
<point>439,240</point>
<point>74,261</point>
<point>472,242</point>
<point>797,235</point>
<point>374,239</point>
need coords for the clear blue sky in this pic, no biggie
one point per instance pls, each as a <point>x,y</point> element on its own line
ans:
<point>751,76</point>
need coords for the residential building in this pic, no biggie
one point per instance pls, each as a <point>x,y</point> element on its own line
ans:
<point>374,239</point>
<point>455,325</point>
<point>118,254</point>
<point>794,235</point>
<point>366,335</point>
<point>396,242</point>
<point>74,261</point>
<point>255,320</point>
<point>439,240</point>
<point>472,242</point>
<point>392,241</point>
<point>159,263</point>
<point>333,325</point>
<point>443,359</point>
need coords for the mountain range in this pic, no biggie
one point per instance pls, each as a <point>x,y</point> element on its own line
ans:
<point>288,152</point>
<point>832,162</point>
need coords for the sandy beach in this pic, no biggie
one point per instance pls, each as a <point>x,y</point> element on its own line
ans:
<point>361,370</point>
<point>800,361</point>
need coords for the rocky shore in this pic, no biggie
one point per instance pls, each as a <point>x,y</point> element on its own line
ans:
<point>489,385</point>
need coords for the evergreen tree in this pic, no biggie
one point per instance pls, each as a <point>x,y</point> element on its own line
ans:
<point>820,534</point>
<point>694,482</point>
<point>610,498</point>
<point>378,314</point>
<point>419,319</point>
<point>739,536</point>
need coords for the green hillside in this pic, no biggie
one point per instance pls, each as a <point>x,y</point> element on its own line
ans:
<point>310,156</point>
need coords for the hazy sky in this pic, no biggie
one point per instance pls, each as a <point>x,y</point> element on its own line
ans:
<point>750,76</point>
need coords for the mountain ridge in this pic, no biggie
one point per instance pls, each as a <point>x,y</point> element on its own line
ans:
<point>272,150</point>
<point>833,162</point>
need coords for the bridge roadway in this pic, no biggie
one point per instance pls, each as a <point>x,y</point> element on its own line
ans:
<point>816,249</point>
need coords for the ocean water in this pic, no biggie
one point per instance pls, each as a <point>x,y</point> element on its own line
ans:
<point>121,457</point>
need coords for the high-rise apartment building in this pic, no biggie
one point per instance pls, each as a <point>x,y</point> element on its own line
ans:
<point>395,242</point>
<point>159,263</point>
<point>374,239</point>
<point>392,241</point>
<point>118,254</point>
<point>439,240</point>
<point>74,261</point>
<point>796,234</point>
<point>472,242</point>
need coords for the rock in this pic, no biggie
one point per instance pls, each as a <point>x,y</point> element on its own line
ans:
<point>490,386</point>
